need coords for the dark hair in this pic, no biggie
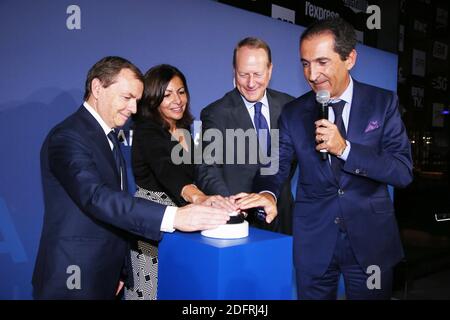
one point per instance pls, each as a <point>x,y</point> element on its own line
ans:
<point>342,31</point>
<point>106,70</point>
<point>253,43</point>
<point>156,81</point>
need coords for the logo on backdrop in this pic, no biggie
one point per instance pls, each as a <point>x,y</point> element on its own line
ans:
<point>417,94</point>
<point>441,19</point>
<point>439,83</point>
<point>420,26</point>
<point>283,14</point>
<point>418,63</point>
<point>318,13</point>
<point>440,50</point>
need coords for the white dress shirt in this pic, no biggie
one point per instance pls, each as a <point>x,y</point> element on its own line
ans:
<point>347,97</point>
<point>264,109</point>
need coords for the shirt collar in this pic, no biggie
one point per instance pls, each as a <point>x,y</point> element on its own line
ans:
<point>97,117</point>
<point>263,100</point>
<point>347,94</point>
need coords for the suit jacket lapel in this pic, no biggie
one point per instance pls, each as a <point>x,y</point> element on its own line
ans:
<point>274,110</point>
<point>359,113</point>
<point>240,113</point>
<point>98,138</point>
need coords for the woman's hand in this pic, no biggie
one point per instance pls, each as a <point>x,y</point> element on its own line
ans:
<point>217,202</point>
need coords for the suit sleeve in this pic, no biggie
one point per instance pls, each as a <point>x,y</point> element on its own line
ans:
<point>156,152</point>
<point>285,154</point>
<point>76,167</point>
<point>210,177</point>
<point>390,163</point>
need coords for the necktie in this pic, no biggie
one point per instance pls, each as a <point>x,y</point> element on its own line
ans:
<point>336,163</point>
<point>261,124</point>
<point>118,159</point>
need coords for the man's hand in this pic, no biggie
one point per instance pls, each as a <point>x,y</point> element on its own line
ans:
<point>329,138</point>
<point>195,217</point>
<point>217,202</point>
<point>253,200</point>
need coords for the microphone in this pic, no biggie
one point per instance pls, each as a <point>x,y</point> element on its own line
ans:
<point>323,97</point>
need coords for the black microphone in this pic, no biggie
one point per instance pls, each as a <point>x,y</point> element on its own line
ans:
<point>323,97</point>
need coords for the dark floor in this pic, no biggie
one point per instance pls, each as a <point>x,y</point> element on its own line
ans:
<point>424,273</point>
<point>435,286</point>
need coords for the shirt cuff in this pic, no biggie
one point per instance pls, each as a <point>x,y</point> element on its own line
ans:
<point>344,154</point>
<point>270,192</point>
<point>168,219</point>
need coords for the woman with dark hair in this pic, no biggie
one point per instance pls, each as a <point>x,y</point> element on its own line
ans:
<point>161,139</point>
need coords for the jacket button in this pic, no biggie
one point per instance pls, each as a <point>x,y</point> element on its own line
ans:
<point>357,171</point>
<point>337,220</point>
<point>340,192</point>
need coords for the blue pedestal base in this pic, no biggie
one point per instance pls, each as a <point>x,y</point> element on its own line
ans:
<point>195,267</point>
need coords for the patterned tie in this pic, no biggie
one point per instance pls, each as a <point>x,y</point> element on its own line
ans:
<point>260,124</point>
<point>119,160</point>
<point>336,163</point>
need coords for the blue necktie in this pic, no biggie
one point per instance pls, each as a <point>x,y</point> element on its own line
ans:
<point>261,124</point>
<point>336,163</point>
<point>118,159</point>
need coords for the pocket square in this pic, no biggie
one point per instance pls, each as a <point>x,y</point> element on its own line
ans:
<point>372,126</point>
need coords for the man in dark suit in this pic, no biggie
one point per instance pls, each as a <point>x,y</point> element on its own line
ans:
<point>344,220</point>
<point>88,213</point>
<point>244,108</point>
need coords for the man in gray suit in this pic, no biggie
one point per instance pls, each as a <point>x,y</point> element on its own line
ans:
<point>251,105</point>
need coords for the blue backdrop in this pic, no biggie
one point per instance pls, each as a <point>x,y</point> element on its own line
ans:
<point>44,66</point>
